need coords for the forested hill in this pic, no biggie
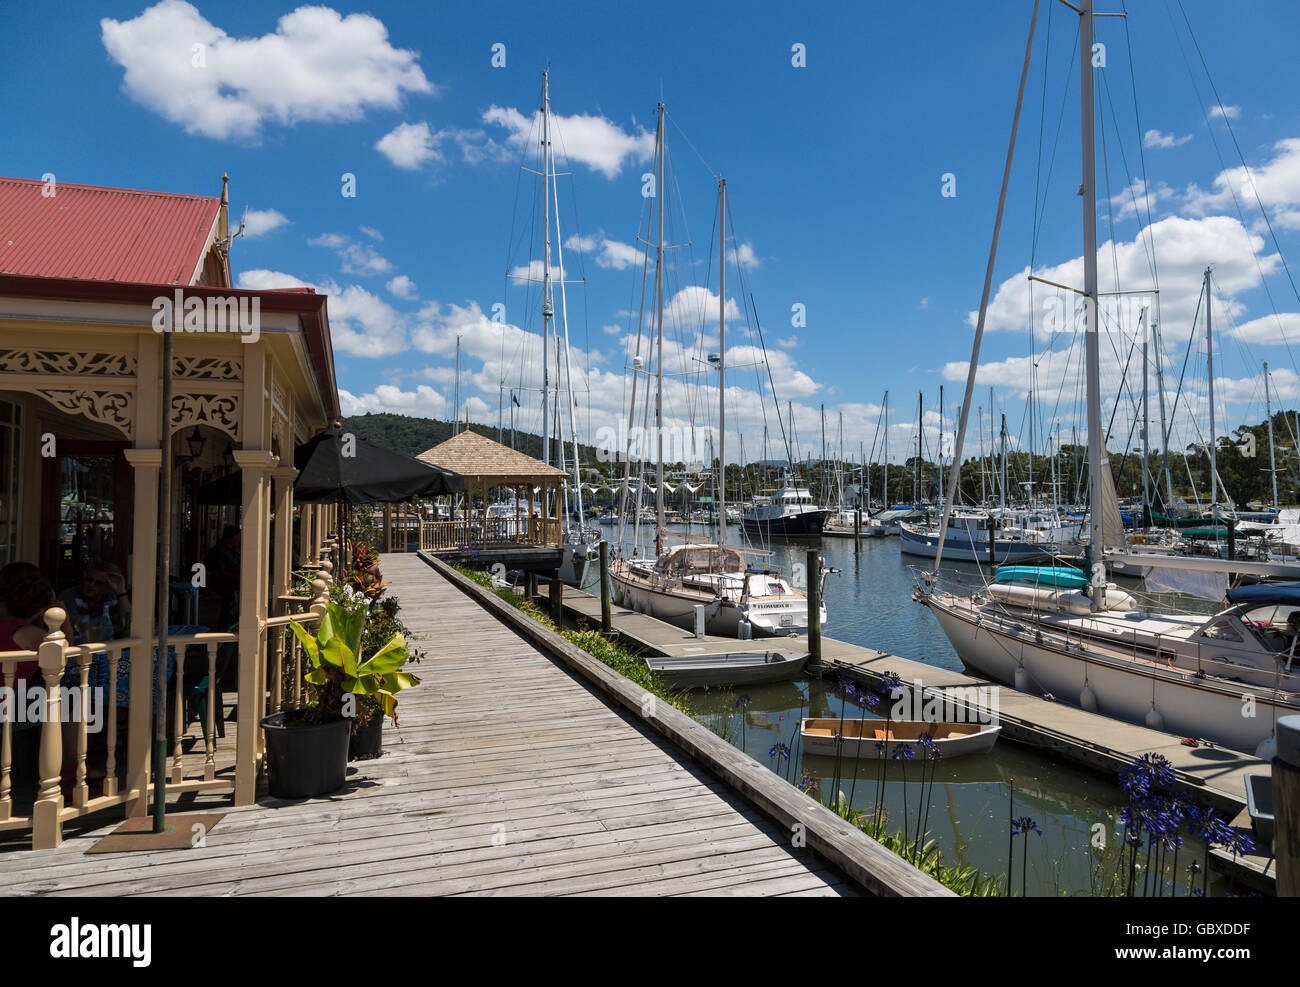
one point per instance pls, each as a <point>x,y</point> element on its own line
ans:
<point>412,436</point>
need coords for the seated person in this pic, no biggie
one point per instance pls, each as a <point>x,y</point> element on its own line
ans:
<point>22,629</point>
<point>99,609</point>
<point>10,575</point>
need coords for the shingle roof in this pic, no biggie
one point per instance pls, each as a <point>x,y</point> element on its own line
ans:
<point>102,234</point>
<point>475,456</point>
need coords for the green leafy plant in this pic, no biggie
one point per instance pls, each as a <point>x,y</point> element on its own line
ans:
<point>340,667</point>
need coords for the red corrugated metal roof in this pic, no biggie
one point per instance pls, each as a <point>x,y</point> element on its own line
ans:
<point>102,234</point>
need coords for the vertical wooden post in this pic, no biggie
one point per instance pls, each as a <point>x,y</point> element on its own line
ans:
<point>557,600</point>
<point>530,587</point>
<point>282,555</point>
<point>47,829</point>
<point>1286,807</point>
<point>254,465</point>
<point>815,603</point>
<point>606,619</point>
<point>145,464</point>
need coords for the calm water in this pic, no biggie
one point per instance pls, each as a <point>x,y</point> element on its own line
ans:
<point>869,603</point>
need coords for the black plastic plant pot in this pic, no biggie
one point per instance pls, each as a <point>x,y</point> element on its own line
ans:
<point>368,741</point>
<point>305,761</point>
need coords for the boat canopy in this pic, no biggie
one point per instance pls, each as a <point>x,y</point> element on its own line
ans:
<point>1265,594</point>
<point>1042,575</point>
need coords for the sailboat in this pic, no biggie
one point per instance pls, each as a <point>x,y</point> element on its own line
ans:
<point>738,599</point>
<point>1226,678</point>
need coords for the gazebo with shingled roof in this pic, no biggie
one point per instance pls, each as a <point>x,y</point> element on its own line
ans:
<point>487,465</point>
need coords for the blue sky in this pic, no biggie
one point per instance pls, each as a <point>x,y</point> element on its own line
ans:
<point>834,170</point>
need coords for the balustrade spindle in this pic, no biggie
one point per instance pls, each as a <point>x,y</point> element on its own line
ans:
<point>178,717</point>
<point>110,712</point>
<point>6,747</point>
<point>81,792</point>
<point>210,760</point>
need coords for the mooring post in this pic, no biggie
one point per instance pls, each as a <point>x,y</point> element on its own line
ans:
<point>606,618</point>
<point>1286,806</point>
<point>857,529</point>
<point>815,603</point>
<point>530,587</point>
<point>557,601</point>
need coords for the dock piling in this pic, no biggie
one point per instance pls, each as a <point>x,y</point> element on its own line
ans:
<point>815,603</point>
<point>1286,806</point>
<point>606,619</point>
<point>557,601</point>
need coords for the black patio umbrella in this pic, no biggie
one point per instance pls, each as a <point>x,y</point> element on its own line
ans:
<point>337,465</point>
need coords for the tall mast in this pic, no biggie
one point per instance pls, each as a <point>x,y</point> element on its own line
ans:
<point>659,330</point>
<point>547,309</point>
<point>886,497</point>
<point>568,365</point>
<point>455,412</point>
<point>1004,461</point>
<point>984,496</point>
<point>1092,344</point>
<point>1146,430</point>
<point>722,362</point>
<point>1268,411</point>
<point>1164,428</point>
<point>916,480</point>
<point>1209,362</point>
<point>939,452</point>
<point>823,471</point>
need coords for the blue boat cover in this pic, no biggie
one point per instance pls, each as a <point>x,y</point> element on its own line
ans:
<point>1264,594</point>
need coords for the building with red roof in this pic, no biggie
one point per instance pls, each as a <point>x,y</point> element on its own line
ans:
<point>91,279</point>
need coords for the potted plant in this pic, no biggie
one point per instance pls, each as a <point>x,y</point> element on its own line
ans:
<point>307,749</point>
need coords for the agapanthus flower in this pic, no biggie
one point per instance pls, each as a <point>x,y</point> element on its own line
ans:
<point>1024,824</point>
<point>903,752</point>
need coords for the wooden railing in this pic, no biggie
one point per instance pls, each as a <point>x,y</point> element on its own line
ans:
<point>84,711</point>
<point>477,533</point>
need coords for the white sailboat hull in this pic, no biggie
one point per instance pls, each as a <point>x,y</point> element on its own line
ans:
<point>765,620</point>
<point>1188,707</point>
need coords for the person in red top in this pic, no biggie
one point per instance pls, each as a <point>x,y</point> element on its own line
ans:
<point>25,602</point>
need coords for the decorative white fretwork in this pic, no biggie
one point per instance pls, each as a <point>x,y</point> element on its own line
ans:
<point>207,368</point>
<point>215,410</point>
<point>116,408</point>
<point>65,362</point>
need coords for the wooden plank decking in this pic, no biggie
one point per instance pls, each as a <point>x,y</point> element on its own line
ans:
<point>508,776</point>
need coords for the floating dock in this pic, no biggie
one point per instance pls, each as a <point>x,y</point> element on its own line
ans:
<point>1212,776</point>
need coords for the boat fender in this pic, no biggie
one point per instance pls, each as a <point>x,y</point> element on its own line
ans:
<point>1022,679</point>
<point>1267,749</point>
<point>1154,720</point>
<point>1088,699</point>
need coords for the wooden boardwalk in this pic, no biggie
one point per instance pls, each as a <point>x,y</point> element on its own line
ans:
<point>508,776</point>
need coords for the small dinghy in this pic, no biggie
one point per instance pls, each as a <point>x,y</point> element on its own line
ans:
<point>733,668</point>
<point>862,738</point>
